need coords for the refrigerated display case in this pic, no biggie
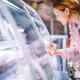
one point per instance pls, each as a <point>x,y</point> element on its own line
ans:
<point>45,36</point>
<point>17,19</point>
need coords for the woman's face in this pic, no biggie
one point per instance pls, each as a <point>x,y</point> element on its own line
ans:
<point>62,16</point>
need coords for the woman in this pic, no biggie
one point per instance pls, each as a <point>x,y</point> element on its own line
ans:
<point>67,11</point>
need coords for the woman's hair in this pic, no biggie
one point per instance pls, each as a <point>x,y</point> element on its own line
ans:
<point>73,5</point>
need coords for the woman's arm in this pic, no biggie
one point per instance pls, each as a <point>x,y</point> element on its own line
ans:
<point>74,48</point>
<point>67,52</point>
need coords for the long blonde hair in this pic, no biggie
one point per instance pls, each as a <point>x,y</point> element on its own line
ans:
<point>73,5</point>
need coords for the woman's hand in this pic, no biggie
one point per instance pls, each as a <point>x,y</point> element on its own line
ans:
<point>51,49</point>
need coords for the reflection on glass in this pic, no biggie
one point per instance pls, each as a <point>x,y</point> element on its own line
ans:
<point>41,28</point>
